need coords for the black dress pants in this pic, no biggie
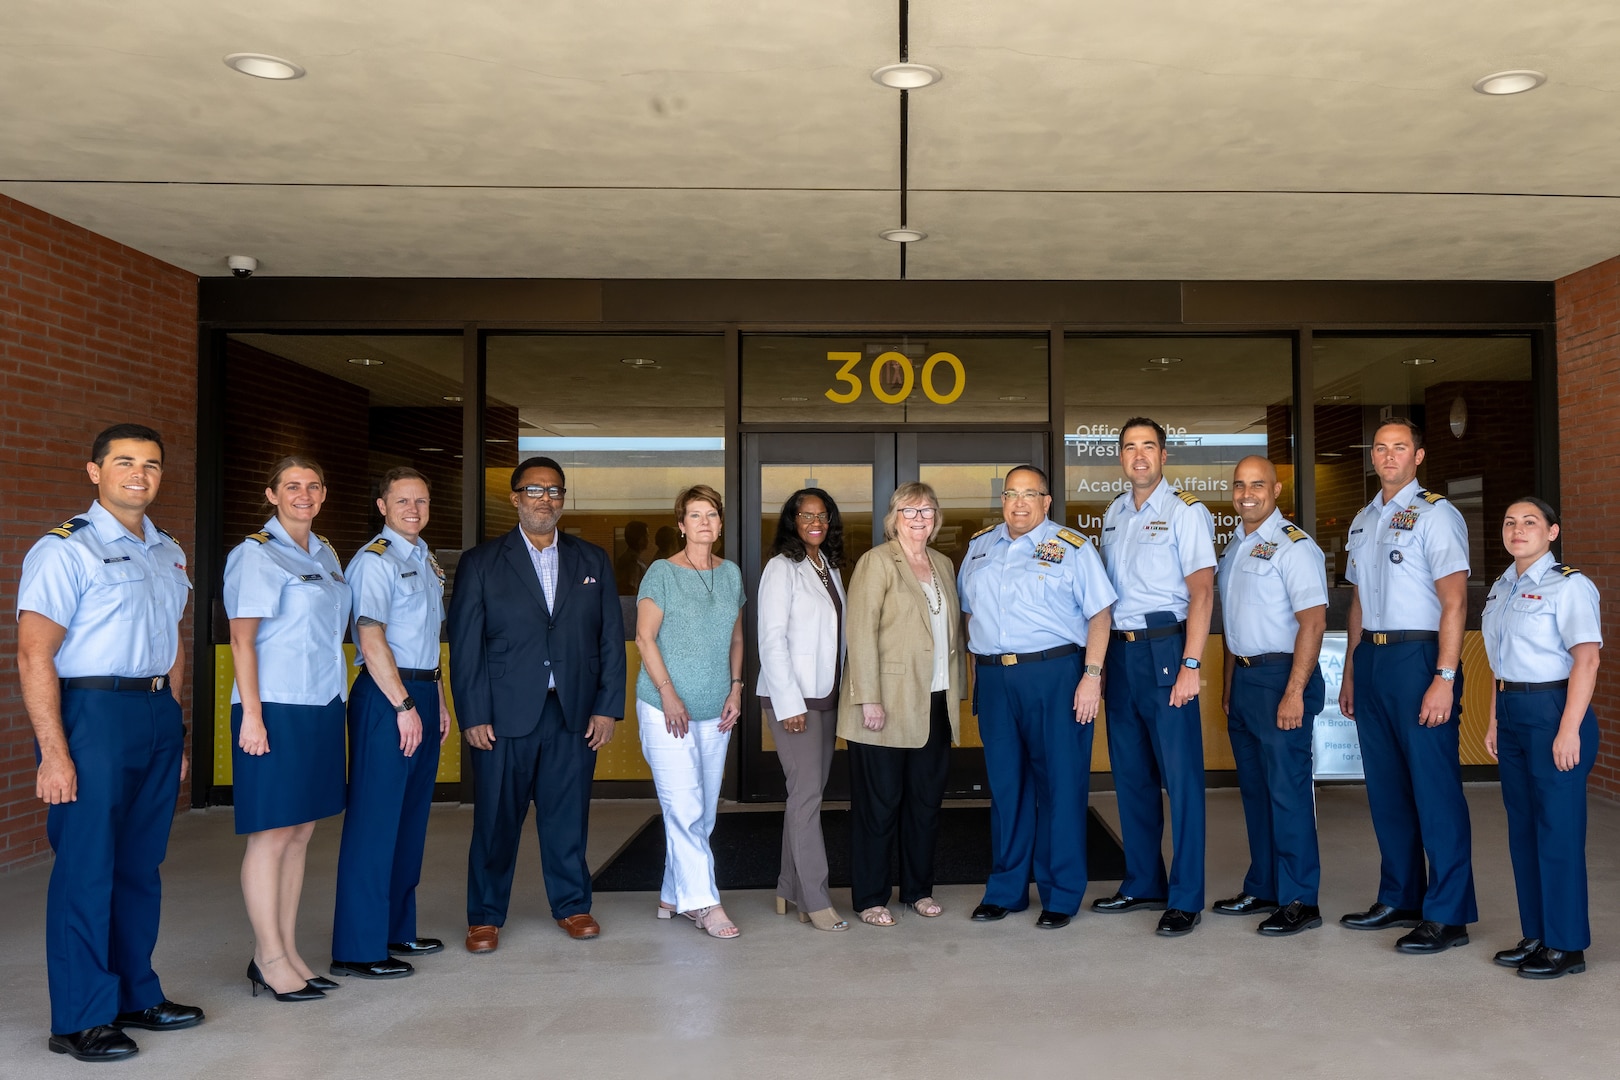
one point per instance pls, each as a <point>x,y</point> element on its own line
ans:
<point>897,790</point>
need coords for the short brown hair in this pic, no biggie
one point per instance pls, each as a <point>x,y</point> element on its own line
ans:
<point>400,472</point>
<point>698,493</point>
<point>294,461</point>
<point>1408,424</point>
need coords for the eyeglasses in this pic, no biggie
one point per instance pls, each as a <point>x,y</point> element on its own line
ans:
<point>1015,496</point>
<point>819,519</point>
<point>912,513</point>
<point>535,491</point>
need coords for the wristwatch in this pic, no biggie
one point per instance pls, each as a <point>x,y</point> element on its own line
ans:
<point>1094,670</point>
<point>1446,673</point>
<point>406,706</point>
<point>1191,662</point>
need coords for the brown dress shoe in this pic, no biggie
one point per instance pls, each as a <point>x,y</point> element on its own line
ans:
<point>581,927</point>
<point>481,939</point>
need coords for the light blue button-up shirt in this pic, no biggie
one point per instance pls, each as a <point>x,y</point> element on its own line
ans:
<point>1398,550</point>
<point>1150,553</point>
<point>1265,577</point>
<point>119,596</point>
<point>400,585</point>
<point>302,603</point>
<point>1532,620</point>
<point>1033,593</point>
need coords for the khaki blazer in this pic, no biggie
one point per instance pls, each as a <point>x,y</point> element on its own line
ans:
<point>891,649</point>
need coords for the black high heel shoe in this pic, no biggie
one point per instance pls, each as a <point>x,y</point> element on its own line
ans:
<point>321,982</point>
<point>309,991</point>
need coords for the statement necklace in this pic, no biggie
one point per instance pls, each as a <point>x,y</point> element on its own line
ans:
<point>821,569</point>
<point>935,595</point>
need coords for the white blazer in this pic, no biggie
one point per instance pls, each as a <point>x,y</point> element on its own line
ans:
<point>800,643</point>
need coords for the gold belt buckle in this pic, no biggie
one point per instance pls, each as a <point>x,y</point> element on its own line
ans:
<point>1008,659</point>
<point>1244,660</point>
<point>1130,635</point>
<point>1380,638</point>
<point>1501,684</point>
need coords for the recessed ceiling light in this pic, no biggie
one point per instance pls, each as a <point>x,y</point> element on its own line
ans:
<point>452,397</point>
<point>263,66</point>
<point>430,449</point>
<point>795,398</point>
<point>365,361</point>
<point>907,76</point>
<point>1334,397</point>
<point>1361,446</point>
<point>1165,361</point>
<point>1013,397</point>
<point>497,440</point>
<point>1510,82</point>
<point>638,361</point>
<point>903,235</point>
<point>1418,361</point>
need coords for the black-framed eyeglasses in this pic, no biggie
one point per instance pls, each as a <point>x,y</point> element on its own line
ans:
<point>819,519</point>
<point>536,491</point>
<point>911,513</point>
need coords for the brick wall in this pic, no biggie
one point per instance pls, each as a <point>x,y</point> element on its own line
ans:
<point>1588,415</point>
<point>92,333</point>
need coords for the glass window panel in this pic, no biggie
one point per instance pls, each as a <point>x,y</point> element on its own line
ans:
<point>1219,399</point>
<point>849,485</point>
<point>969,498</point>
<point>893,379</point>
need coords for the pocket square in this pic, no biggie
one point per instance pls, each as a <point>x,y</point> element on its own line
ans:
<point>589,581</point>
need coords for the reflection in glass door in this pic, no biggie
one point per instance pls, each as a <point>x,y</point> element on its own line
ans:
<point>860,471</point>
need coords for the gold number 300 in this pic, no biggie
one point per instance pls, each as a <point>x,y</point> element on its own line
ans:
<point>845,375</point>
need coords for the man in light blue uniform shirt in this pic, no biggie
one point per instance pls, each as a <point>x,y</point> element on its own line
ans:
<point>1273,581</point>
<point>1037,601</point>
<point>1159,546</point>
<point>1408,559</point>
<point>398,608</point>
<point>98,652</point>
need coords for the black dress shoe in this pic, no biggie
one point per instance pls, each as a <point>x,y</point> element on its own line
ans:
<point>386,968</point>
<point>321,982</point>
<point>1381,917</point>
<point>416,946</point>
<point>308,992</point>
<point>1051,920</point>
<point>1292,919</point>
<point>1244,904</point>
<point>1120,902</point>
<point>102,1043</point>
<point>989,913</point>
<point>164,1016</point>
<point>1551,963</point>
<point>1524,950</point>
<point>1175,922</point>
<point>1432,937</point>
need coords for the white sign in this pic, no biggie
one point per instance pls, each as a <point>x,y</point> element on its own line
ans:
<point>1337,743</point>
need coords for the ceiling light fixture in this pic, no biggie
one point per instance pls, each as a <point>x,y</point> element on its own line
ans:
<point>452,397</point>
<point>430,449</point>
<point>365,361</point>
<point>638,361</point>
<point>1419,361</point>
<point>1165,361</point>
<point>794,397</point>
<point>1334,397</point>
<point>1502,83</point>
<point>903,235</point>
<point>907,76</point>
<point>263,66</point>
<point>1013,397</point>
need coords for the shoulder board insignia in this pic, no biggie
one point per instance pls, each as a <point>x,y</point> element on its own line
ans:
<point>67,527</point>
<point>1187,497</point>
<point>167,533</point>
<point>1430,497</point>
<point>1565,569</point>
<point>323,539</point>
<point>1073,538</point>
<point>981,532</point>
<point>1295,533</point>
<point>1120,496</point>
<point>378,546</point>
<point>260,537</point>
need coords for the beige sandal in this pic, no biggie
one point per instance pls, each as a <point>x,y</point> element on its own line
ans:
<point>927,907</point>
<point>877,916</point>
<point>715,925</point>
<point>825,919</point>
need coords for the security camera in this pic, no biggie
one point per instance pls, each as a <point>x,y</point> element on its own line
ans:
<point>242,265</point>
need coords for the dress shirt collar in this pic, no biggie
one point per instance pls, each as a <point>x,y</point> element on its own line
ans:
<point>402,548</point>
<point>1537,571</point>
<point>1404,497</point>
<point>109,529</point>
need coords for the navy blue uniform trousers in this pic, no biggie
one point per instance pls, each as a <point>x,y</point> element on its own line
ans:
<point>1151,744</point>
<point>552,768</point>
<point>385,823</point>
<point>1274,778</point>
<point>1039,765</point>
<point>104,899</point>
<point>1414,784</point>
<point>1546,814</point>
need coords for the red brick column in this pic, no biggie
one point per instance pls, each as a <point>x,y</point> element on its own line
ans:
<point>92,333</point>
<point>1588,418</point>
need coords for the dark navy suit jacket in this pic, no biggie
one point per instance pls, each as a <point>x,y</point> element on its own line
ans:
<point>505,646</point>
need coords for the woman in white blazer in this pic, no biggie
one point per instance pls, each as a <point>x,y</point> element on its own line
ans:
<point>801,656</point>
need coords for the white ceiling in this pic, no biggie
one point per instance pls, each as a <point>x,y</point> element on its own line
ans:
<point>1069,139</point>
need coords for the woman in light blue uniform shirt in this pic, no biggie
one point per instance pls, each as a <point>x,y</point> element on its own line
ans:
<point>288,605</point>
<point>1542,634</point>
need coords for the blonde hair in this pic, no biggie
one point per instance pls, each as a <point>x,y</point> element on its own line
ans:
<point>906,494</point>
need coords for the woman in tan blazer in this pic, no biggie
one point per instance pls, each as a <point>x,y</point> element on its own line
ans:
<point>898,712</point>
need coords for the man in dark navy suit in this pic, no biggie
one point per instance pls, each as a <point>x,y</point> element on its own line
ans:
<point>537,671</point>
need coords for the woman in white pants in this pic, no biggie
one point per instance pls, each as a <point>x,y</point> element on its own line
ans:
<point>689,632</point>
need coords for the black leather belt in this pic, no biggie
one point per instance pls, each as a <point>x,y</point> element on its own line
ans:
<point>1150,633</point>
<point>1396,637</point>
<point>154,684</point>
<point>1011,658</point>
<point>1265,658</point>
<point>1529,687</point>
<point>412,674</point>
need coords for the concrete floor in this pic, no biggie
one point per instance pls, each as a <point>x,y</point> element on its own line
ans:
<point>928,998</point>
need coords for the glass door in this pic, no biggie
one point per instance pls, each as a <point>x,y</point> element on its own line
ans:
<point>860,471</point>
